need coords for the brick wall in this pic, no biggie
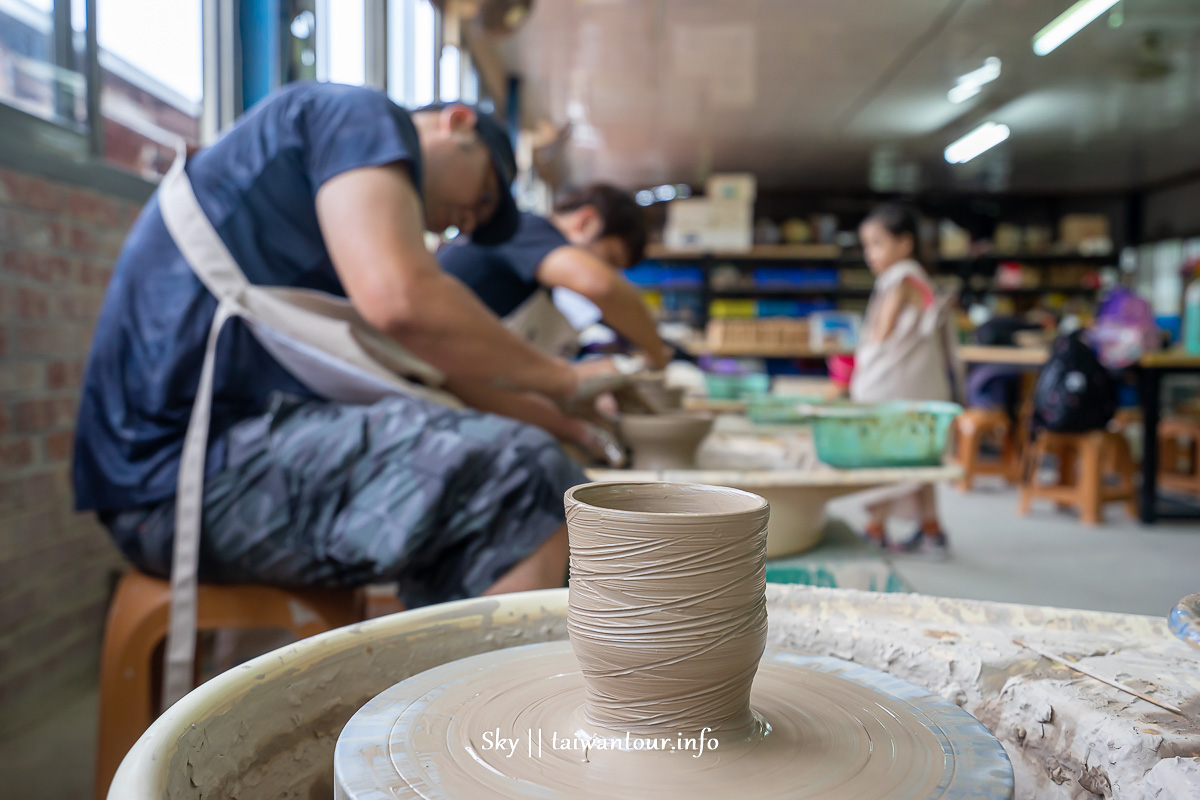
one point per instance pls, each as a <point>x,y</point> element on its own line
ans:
<point>57,245</point>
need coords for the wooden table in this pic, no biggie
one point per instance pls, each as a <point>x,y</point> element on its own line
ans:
<point>1006,356</point>
<point>1149,370</point>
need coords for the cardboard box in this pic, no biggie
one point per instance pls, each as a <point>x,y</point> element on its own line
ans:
<point>732,187</point>
<point>700,223</point>
<point>1076,229</point>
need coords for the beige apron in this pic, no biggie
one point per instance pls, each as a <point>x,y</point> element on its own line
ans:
<point>539,322</point>
<point>319,338</point>
<point>917,361</point>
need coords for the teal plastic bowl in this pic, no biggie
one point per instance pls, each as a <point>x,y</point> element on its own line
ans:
<point>736,387</point>
<point>776,409</point>
<point>900,434</point>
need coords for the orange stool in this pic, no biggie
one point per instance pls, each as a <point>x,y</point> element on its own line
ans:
<point>971,428</point>
<point>1084,461</point>
<point>1179,454</point>
<point>137,625</point>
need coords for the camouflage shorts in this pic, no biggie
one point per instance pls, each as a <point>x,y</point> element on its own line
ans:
<point>442,501</point>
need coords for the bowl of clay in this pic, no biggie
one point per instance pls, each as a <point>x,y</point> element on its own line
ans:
<point>664,441</point>
<point>661,398</point>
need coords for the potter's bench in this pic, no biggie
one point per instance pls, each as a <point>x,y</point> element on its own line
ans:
<point>268,727</point>
<point>797,496</point>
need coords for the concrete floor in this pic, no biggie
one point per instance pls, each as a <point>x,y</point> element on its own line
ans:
<point>1047,558</point>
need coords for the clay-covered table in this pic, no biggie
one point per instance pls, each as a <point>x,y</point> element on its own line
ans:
<point>797,497</point>
<point>268,727</point>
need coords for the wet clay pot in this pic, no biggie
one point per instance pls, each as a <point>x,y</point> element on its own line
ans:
<point>666,610</point>
<point>661,398</point>
<point>664,441</point>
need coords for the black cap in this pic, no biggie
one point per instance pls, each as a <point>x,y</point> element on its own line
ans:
<point>503,223</point>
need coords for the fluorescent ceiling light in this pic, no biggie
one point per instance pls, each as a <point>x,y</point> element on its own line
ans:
<point>1069,23</point>
<point>970,84</point>
<point>978,141</point>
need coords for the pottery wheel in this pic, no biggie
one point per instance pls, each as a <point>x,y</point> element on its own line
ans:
<point>825,729</point>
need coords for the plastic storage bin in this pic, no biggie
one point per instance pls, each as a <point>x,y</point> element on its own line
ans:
<point>900,434</point>
<point>736,387</point>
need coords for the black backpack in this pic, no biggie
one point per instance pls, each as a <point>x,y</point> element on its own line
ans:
<point>1074,393</point>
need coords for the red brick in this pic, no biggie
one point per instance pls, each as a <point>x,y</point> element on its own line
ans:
<point>30,490</point>
<point>41,195</point>
<point>57,267</point>
<point>59,234</point>
<point>111,244</point>
<point>64,374</point>
<point>83,240</point>
<point>78,305</point>
<point>29,231</point>
<point>36,266</point>
<point>95,273</point>
<point>28,530</point>
<point>19,302</point>
<point>16,453</point>
<point>46,340</point>
<point>24,263</point>
<point>35,415</point>
<point>23,376</point>
<point>94,208</point>
<point>9,181</point>
<point>59,445</point>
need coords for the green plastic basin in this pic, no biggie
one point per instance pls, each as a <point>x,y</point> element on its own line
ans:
<point>899,434</point>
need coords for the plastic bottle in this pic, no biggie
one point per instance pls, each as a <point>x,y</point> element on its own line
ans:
<point>1191,317</point>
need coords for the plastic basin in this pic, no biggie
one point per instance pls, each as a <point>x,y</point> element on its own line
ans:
<point>900,434</point>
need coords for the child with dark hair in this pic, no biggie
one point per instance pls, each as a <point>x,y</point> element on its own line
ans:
<point>593,233</point>
<point>906,352</point>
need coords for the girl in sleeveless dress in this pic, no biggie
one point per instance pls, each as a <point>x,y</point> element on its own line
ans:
<point>906,352</point>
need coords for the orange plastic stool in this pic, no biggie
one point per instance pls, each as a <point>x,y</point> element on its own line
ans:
<point>971,428</point>
<point>1179,454</point>
<point>137,624</point>
<point>1084,460</point>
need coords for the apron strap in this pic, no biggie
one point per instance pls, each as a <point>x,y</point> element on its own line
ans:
<point>181,631</point>
<point>188,225</point>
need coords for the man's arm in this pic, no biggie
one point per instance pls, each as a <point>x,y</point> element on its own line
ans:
<point>622,306</point>
<point>371,220</point>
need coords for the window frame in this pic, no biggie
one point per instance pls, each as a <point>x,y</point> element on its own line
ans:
<point>62,149</point>
<point>66,150</point>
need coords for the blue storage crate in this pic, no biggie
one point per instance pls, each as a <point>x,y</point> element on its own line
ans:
<point>648,273</point>
<point>806,307</point>
<point>792,277</point>
<point>779,308</point>
<point>682,277</point>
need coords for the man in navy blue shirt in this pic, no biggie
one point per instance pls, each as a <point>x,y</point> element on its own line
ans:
<point>594,233</point>
<point>330,187</point>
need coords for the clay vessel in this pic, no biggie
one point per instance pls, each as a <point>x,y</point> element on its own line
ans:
<point>661,398</point>
<point>666,610</point>
<point>664,441</point>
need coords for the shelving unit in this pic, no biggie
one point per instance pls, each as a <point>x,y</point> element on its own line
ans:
<point>761,256</point>
<point>827,256</point>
